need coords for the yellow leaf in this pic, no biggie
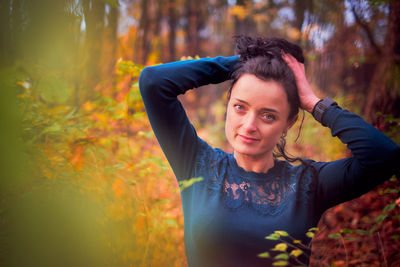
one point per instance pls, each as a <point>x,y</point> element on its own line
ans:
<point>294,33</point>
<point>88,106</point>
<point>281,233</point>
<point>261,18</point>
<point>239,11</point>
<point>296,252</point>
<point>280,247</point>
<point>310,234</point>
<point>280,263</point>
<point>153,58</point>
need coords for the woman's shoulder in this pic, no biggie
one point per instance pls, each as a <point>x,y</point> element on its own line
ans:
<point>208,154</point>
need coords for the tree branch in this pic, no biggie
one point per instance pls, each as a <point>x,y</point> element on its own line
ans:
<point>367,30</point>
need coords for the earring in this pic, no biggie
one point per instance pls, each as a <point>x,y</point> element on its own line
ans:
<point>283,134</point>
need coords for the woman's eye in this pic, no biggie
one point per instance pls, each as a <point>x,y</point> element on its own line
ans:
<point>238,107</point>
<point>269,117</point>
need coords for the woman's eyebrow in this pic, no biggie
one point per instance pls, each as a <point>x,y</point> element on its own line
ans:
<point>262,109</point>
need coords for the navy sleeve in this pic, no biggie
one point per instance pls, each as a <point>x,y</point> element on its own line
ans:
<point>160,85</point>
<point>375,158</point>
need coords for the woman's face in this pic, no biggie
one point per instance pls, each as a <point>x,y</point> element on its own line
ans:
<point>257,115</point>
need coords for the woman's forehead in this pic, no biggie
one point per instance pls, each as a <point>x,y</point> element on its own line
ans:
<point>255,91</point>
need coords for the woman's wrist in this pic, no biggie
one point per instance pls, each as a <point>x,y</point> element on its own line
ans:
<point>310,103</point>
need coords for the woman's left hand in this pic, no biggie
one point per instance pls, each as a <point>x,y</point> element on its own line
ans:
<point>308,99</point>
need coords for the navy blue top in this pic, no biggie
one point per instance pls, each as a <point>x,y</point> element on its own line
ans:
<point>228,214</point>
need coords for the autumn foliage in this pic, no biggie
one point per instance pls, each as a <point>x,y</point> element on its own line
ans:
<point>84,182</point>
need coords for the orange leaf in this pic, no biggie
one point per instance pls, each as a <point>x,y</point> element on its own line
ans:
<point>77,157</point>
<point>118,188</point>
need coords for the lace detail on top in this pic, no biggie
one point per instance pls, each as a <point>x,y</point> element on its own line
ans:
<point>267,197</point>
<point>267,194</point>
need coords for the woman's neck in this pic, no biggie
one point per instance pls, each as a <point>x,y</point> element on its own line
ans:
<point>254,164</point>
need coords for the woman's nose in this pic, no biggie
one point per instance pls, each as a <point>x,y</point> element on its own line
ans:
<point>250,123</point>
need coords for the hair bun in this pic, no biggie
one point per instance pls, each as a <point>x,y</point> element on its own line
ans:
<point>251,47</point>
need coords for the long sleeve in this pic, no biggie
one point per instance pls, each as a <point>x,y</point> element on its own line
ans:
<point>160,85</point>
<point>375,159</point>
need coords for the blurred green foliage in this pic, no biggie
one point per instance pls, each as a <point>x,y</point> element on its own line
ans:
<point>84,182</point>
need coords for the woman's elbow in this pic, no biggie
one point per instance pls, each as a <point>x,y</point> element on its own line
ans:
<point>147,80</point>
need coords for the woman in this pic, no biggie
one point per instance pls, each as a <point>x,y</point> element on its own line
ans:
<point>247,195</point>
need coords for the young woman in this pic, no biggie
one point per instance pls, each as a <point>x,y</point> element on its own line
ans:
<point>247,195</point>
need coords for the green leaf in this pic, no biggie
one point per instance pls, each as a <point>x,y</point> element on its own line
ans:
<point>313,229</point>
<point>187,183</point>
<point>351,238</point>
<point>131,182</point>
<point>52,129</point>
<point>264,255</point>
<point>146,134</point>
<point>272,237</point>
<point>280,263</point>
<point>391,191</point>
<point>310,234</point>
<point>297,241</point>
<point>361,232</point>
<point>171,222</point>
<point>118,166</point>
<point>335,236</point>
<point>346,231</point>
<point>54,90</point>
<point>71,114</point>
<point>281,233</point>
<point>139,115</point>
<point>372,230</point>
<point>395,237</point>
<point>389,207</point>
<point>282,256</point>
<point>380,218</point>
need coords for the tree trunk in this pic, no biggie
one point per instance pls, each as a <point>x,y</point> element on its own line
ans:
<point>16,32</point>
<point>245,26</point>
<point>384,93</point>
<point>108,55</point>
<point>5,32</point>
<point>172,30</point>
<point>144,31</point>
<point>195,15</point>
<point>158,43</point>
<point>94,11</point>
<point>300,8</point>
<point>240,24</point>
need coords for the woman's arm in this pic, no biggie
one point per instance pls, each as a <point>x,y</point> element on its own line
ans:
<point>160,85</point>
<point>375,157</point>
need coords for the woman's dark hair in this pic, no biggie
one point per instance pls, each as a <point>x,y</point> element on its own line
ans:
<point>262,58</point>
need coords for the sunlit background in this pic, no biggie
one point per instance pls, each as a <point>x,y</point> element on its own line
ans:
<point>84,182</point>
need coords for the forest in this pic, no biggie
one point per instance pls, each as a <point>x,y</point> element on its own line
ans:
<point>84,182</point>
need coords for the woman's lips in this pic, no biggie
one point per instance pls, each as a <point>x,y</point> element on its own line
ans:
<point>248,140</point>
